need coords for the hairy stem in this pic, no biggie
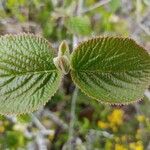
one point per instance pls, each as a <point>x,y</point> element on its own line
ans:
<point>72,121</point>
<point>75,93</point>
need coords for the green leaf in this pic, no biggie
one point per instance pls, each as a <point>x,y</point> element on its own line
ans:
<point>115,5</point>
<point>111,70</point>
<point>79,25</point>
<point>25,118</point>
<point>28,77</point>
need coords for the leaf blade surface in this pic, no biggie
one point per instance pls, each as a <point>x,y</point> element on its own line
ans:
<point>111,70</point>
<point>28,77</point>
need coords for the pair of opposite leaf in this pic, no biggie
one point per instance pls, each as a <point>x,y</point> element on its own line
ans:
<point>111,70</point>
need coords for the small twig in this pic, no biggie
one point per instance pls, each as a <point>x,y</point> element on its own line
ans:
<point>37,122</point>
<point>138,18</point>
<point>147,94</point>
<point>42,129</point>
<point>95,134</point>
<point>98,4</point>
<point>79,9</point>
<point>145,29</point>
<point>55,119</point>
<point>41,142</point>
<point>141,125</point>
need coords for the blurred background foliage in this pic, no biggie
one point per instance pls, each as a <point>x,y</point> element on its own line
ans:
<point>96,126</point>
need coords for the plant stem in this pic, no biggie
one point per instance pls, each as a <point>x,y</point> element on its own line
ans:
<point>73,117</point>
<point>75,93</point>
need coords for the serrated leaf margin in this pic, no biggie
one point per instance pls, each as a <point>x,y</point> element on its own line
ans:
<point>80,87</point>
<point>59,82</point>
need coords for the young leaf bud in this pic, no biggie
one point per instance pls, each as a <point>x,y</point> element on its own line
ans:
<point>62,63</point>
<point>64,49</point>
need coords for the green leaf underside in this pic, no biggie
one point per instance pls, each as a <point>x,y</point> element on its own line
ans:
<point>111,70</point>
<point>28,77</point>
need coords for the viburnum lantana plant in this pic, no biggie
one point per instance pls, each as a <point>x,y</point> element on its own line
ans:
<point>112,70</point>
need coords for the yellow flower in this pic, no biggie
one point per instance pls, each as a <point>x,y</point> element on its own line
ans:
<point>139,146</point>
<point>108,145</point>
<point>136,146</point>
<point>2,129</point>
<point>51,136</point>
<point>116,117</point>
<point>119,147</point>
<point>124,138</point>
<point>132,146</point>
<point>138,134</point>
<point>113,127</point>
<point>20,127</point>
<point>6,123</point>
<point>117,139</point>
<point>102,124</point>
<point>140,118</point>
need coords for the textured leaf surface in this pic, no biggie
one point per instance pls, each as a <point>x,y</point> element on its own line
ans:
<point>28,77</point>
<point>111,70</point>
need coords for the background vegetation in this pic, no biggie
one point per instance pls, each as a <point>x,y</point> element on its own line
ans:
<point>94,126</point>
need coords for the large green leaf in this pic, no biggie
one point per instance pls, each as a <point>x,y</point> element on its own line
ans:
<point>111,70</point>
<point>28,77</point>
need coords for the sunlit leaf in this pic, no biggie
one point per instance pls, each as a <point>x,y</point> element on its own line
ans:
<point>111,70</point>
<point>28,77</point>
